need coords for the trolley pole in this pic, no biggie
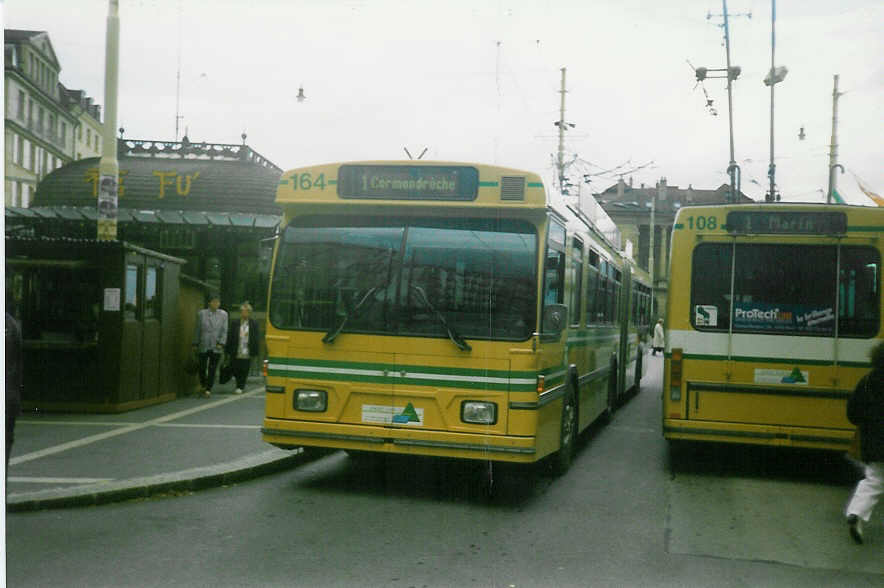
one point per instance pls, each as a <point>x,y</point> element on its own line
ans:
<point>772,168</point>
<point>833,148</point>
<point>108,166</point>
<point>561,124</point>
<point>732,168</point>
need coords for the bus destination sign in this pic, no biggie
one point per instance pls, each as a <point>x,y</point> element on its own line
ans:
<point>786,223</point>
<point>408,182</point>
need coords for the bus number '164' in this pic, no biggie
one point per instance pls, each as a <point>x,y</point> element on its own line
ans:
<point>702,223</point>
<point>305,181</point>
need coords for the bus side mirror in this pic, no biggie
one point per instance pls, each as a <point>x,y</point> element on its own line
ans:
<point>555,317</point>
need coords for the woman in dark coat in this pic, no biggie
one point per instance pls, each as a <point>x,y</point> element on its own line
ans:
<point>865,409</point>
<point>243,343</point>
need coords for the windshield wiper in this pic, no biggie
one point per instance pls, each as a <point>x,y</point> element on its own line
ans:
<point>331,335</point>
<point>452,334</point>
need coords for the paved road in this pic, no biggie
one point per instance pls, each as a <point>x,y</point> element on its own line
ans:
<point>621,517</point>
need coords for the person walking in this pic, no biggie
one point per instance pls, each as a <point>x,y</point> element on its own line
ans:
<point>243,341</point>
<point>659,338</point>
<point>209,338</point>
<point>865,409</point>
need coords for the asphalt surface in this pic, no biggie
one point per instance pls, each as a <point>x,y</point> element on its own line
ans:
<point>64,460</point>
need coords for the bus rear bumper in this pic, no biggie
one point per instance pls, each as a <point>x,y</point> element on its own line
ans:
<point>774,435</point>
<point>290,434</point>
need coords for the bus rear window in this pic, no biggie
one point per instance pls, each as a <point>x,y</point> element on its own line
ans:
<point>786,289</point>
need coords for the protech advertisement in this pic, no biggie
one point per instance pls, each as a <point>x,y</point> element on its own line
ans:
<point>759,316</point>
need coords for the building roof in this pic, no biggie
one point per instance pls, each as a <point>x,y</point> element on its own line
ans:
<point>170,176</point>
<point>18,36</point>
<point>622,197</point>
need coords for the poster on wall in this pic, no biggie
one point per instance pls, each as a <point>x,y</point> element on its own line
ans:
<point>112,299</point>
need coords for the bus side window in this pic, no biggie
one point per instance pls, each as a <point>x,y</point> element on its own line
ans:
<point>554,267</point>
<point>858,295</point>
<point>576,288</point>
<point>592,287</point>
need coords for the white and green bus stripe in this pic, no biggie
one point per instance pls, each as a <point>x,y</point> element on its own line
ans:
<point>383,373</point>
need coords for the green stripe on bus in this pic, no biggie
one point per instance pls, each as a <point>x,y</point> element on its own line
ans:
<point>789,360</point>
<point>678,226</point>
<point>283,182</point>
<point>865,229</point>
<point>488,184</point>
<point>332,182</point>
<point>535,184</point>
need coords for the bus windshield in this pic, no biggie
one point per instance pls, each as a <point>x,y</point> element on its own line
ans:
<point>435,277</point>
<point>786,289</point>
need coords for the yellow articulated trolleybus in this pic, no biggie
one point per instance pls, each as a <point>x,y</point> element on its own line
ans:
<point>443,309</point>
<point>772,312</point>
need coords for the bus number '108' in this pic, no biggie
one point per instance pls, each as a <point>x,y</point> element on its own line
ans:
<point>702,223</point>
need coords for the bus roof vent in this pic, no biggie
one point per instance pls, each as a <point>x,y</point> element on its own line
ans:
<point>512,188</point>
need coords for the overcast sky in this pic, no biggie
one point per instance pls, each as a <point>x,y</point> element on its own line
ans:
<point>479,81</point>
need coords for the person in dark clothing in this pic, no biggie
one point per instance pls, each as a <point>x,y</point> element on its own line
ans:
<point>243,341</point>
<point>14,380</point>
<point>865,409</point>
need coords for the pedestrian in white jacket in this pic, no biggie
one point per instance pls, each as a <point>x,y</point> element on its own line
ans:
<point>659,338</point>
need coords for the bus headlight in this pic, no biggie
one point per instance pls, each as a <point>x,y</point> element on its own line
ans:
<point>311,400</point>
<point>478,413</point>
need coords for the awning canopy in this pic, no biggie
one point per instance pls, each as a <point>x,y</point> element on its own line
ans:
<point>241,220</point>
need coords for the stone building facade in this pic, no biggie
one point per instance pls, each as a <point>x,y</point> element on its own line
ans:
<point>630,209</point>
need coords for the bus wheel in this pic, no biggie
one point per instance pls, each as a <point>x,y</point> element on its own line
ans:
<point>562,459</point>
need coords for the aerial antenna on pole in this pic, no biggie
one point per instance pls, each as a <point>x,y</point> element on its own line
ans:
<point>408,153</point>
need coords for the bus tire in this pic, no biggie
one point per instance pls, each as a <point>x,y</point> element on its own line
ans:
<point>561,461</point>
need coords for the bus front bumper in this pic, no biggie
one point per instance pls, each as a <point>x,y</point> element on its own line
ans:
<point>289,434</point>
<point>775,435</point>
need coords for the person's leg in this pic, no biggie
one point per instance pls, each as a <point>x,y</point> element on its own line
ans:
<point>868,491</point>
<point>203,364</point>
<point>241,372</point>
<point>213,365</point>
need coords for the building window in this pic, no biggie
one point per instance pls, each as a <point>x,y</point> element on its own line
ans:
<point>27,202</point>
<point>19,150</point>
<point>40,119</point>
<point>21,105</point>
<point>130,307</point>
<point>89,137</point>
<point>80,133</point>
<point>151,293</point>
<point>13,201</point>
<point>64,134</point>
<point>97,148</point>
<point>30,112</point>
<point>32,158</point>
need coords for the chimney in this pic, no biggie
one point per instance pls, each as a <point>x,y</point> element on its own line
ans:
<point>630,181</point>
<point>661,190</point>
<point>620,186</point>
<point>690,193</point>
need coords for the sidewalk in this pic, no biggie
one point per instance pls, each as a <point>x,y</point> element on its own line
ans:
<point>61,460</point>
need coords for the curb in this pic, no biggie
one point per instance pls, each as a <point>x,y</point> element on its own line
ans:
<point>200,478</point>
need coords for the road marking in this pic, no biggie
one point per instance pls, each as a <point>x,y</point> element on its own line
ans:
<point>27,480</point>
<point>208,426</point>
<point>73,423</point>
<point>123,429</point>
